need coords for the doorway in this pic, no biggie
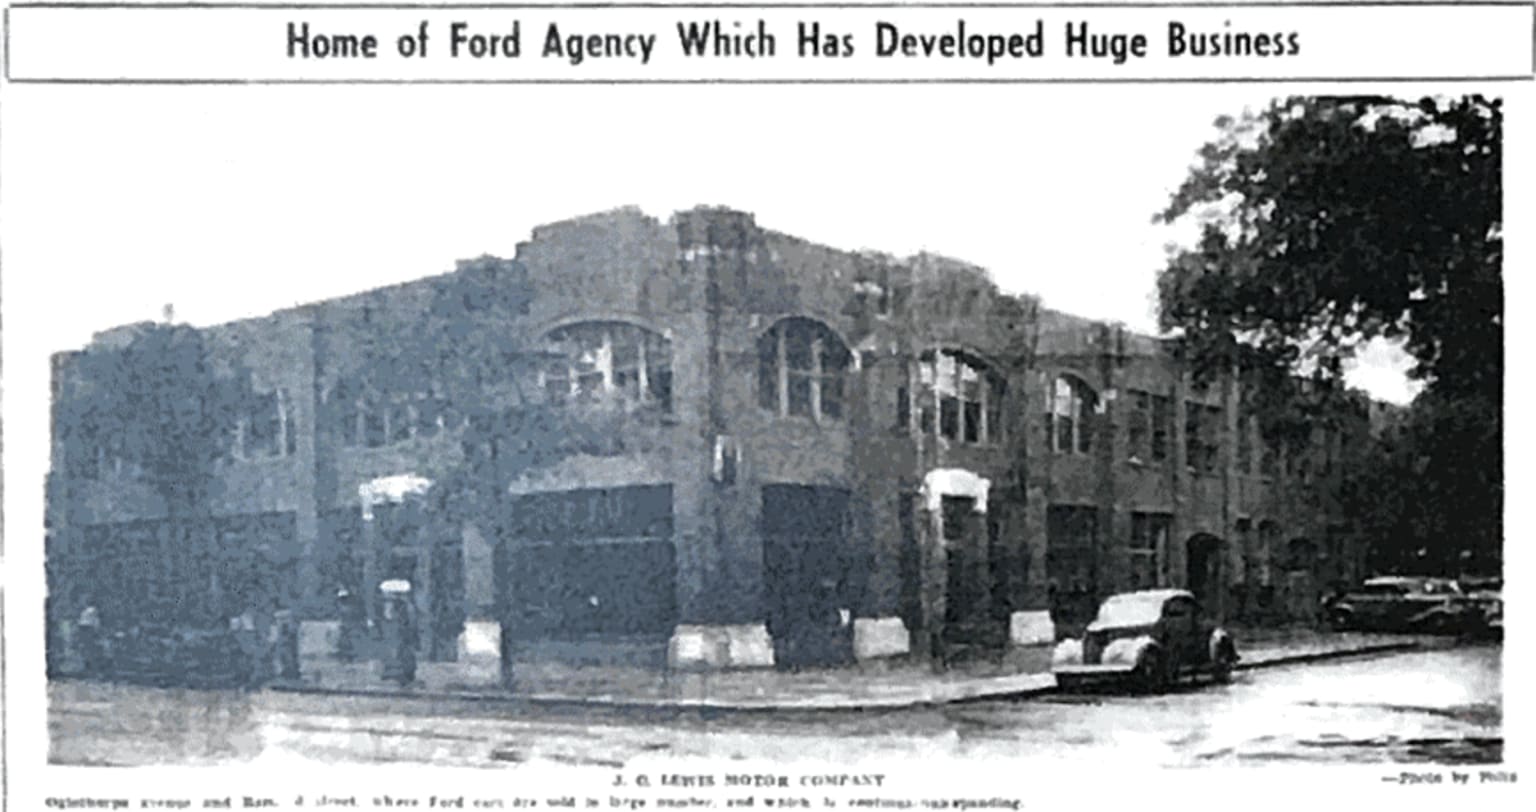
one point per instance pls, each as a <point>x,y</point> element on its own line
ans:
<point>1203,561</point>
<point>805,575</point>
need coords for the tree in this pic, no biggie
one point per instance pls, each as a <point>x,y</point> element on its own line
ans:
<point>1328,222</point>
<point>154,407</point>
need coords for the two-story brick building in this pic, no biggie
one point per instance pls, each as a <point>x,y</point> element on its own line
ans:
<point>697,439</point>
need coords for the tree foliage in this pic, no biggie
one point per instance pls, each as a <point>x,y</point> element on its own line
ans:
<point>156,404</point>
<point>1329,222</point>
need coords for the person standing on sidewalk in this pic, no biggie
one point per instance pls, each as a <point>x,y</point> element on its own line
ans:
<point>89,627</point>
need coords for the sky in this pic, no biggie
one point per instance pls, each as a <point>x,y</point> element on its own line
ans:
<point>227,203</point>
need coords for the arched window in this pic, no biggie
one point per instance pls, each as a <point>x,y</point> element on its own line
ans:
<point>1069,415</point>
<point>608,362</point>
<point>959,397</point>
<point>801,366</point>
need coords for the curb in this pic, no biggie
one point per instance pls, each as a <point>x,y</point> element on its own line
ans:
<point>705,706</point>
<point>1336,654</point>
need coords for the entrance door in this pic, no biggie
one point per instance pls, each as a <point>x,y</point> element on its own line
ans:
<point>1203,559</point>
<point>805,574</point>
<point>968,618</point>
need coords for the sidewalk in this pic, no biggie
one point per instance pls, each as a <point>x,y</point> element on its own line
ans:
<point>881,685</point>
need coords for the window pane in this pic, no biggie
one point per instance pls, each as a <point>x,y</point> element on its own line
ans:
<point>949,417</point>
<point>1085,434</point>
<point>832,396</point>
<point>346,419</point>
<point>797,347</point>
<point>833,358</point>
<point>427,412</point>
<point>557,387</point>
<point>373,427</point>
<point>1139,426</point>
<point>768,371</point>
<point>400,422</point>
<point>589,384</point>
<point>970,382</point>
<point>626,347</point>
<point>1162,420</point>
<point>266,428</point>
<point>1064,425</point>
<point>800,394</point>
<point>1062,398</point>
<point>627,382</point>
<point>660,382</point>
<point>972,421</point>
<point>903,409</point>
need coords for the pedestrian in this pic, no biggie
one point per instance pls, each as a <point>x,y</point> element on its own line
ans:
<point>285,644</point>
<point>90,641</point>
<point>354,625</point>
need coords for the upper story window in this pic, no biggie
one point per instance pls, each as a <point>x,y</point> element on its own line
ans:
<point>609,362</point>
<point>1149,423</point>
<point>957,396</point>
<point>1069,415</point>
<point>361,417</point>
<point>264,427</point>
<point>1202,436</point>
<point>801,368</point>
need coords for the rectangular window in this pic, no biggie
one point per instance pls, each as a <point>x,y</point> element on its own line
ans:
<point>972,421</point>
<point>627,365</point>
<point>428,413</point>
<point>768,373</point>
<point>1162,427</point>
<point>1212,423</point>
<point>401,423</point>
<point>1064,432</point>
<point>1269,458</point>
<point>903,409</point>
<point>1194,436</point>
<point>949,417</point>
<point>266,422</point>
<point>373,426</point>
<point>659,379</point>
<point>1149,538</point>
<point>1139,427</point>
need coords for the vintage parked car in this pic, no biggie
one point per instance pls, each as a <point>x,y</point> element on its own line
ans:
<point>1487,598</point>
<point>1398,603</point>
<point>1150,639</point>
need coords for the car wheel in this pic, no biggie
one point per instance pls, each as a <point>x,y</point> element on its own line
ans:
<point>1151,673</point>
<point>1221,669</point>
<point>1340,621</point>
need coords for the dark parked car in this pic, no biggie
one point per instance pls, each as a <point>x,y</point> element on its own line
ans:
<point>1150,639</point>
<point>1399,603</point>
<point>183,656</point>
<point>1487,597</point>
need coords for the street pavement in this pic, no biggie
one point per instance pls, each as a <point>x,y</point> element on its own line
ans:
<point>1434,704</point>
<point>1019,673</point>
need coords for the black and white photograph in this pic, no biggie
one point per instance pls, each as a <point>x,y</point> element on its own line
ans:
<point>1053,432</point>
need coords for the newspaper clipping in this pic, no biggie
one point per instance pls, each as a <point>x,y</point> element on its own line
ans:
<point>762,407</point>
